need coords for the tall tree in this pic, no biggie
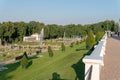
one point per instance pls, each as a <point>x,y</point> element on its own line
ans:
<point>15,31</point>
<point>99,36</point>
<point>90,41</point>
<point>63,47</point>
<point>24,62</point>
<point>50,51</point>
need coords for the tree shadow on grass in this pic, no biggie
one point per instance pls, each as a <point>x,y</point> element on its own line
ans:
<point>79,67</point>
<point>79,49</point>
<point>29,63</point>
<point>11,67</point>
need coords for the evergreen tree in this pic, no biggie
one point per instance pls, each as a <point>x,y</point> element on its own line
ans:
<point>24,61</point>
<point>25,55</point>
<point>11,32</point>
<point>77,42</point>
<point>90,41</point>
<point>71,45</point>
<point>63,47</point>
<point>99,36</point>
<point>56,76</point>
<point>50,51</point>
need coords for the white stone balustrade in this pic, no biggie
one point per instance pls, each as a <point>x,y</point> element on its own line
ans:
<point>96,60</point>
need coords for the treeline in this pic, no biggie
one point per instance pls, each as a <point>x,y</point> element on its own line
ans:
<point>15,31</point>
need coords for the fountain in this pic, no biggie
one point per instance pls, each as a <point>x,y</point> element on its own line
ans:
<point>41,36</point>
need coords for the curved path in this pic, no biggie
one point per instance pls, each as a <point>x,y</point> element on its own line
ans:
<point>111,68</point>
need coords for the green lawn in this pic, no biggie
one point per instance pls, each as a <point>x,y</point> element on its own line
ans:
<point>67,64</point>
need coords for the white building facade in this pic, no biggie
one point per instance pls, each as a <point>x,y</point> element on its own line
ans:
<point>33,38</point>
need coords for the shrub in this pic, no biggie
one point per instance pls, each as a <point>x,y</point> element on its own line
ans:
<point>99,36</point>
<point>77,42</point>
<point>56,76</point>
<point>4,55</point>
<point>63,47</point>
<point>78,49</point>
<point>24,61</point>
<point>90,41</point>
<point>71,45</point>
<point>50,51</point>
<point>25,55</point>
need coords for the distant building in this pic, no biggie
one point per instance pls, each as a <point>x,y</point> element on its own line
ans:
<point>33,38</point>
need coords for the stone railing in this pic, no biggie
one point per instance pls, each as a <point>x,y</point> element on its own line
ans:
<point>96,60</point>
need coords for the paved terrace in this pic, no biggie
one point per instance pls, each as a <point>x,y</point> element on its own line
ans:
<point>111,69</point>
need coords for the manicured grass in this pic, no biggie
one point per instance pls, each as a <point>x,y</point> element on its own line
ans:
<point>67,64</point>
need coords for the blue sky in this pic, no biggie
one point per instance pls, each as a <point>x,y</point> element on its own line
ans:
<point>60,11</point>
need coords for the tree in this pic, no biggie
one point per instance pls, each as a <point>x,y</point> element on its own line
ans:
<point>71,45</point>
<point>115,27</point>
<point>77,42</point>
<point>56,76</point>
<point>99,36</point>
<point>21,26</point>
<point>50,51</point>
<point>25,55</point>
<point>11,32</point>
<point>24,62</point>
<point>90,41</point>
<point>63,47</point>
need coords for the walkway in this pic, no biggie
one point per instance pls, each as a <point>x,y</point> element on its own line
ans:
<point>111,69</point>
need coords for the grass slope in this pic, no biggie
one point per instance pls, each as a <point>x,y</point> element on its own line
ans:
<point>67,64</point>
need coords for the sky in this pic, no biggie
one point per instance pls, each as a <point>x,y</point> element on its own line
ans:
<point>60,11</point>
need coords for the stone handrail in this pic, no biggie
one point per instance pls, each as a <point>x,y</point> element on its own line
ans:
<point>96,60</point>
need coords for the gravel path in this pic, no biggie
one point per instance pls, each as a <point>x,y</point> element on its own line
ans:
<point>111,69</point>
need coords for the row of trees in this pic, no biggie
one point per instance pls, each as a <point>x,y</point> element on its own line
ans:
<point>15,31</point>
<point>93,39</point>
<point>50,51</point>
